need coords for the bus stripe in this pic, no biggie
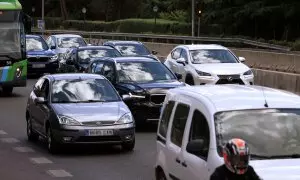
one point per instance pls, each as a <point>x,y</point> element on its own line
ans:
<point>4,74</point>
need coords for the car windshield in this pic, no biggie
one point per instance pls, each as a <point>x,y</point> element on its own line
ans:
<point>70,42</point>
<point>86,55</point>
<point>204,56</point>
<point>143,72</point>
<point>132,49</point>
<point>83,90</point>
<point>272,132</point>
<point>36,44</point>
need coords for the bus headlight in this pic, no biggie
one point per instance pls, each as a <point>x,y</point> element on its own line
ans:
<point>18,72</point>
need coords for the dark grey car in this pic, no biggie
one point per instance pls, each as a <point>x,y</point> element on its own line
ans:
<point>76,109</point>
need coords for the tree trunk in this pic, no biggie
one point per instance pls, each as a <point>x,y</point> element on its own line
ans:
<point>64,12</point>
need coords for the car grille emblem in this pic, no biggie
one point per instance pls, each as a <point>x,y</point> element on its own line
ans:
<point>98,123</point>
<point>38,57</point>
<point>229,78</point>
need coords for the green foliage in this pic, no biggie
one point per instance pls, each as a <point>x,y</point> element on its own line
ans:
<point>178,15</point>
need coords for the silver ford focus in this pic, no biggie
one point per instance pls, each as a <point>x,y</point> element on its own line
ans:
<point>78,109</point>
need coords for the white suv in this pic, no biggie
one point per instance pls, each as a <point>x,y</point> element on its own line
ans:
<point>196,121</point>
<point>208,64</point>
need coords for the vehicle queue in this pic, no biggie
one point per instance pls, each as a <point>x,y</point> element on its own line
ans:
<point>200,97</point>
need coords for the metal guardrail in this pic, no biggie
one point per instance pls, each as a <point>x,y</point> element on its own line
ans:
<point>167,38</point>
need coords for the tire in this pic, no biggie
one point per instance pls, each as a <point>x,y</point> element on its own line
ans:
<point>7,91</point>
<point>52,145</point>
<point>189,80</point>
<point>128,146</point>
<point>31,135</point>
<point>160,175</point>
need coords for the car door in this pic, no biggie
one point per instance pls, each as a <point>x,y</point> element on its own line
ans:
<point>174,141</point>
<point>194,166</point>
<point>172,61</point>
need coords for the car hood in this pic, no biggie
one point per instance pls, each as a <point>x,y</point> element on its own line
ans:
<point>150,87</point>
<point>82,112</point>
<point>287,169</point>
<point>41,53</point>
<point>222,68</point>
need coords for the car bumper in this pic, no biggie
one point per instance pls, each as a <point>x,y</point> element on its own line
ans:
<point>42,67</point>
<point>242,80</point>
<point>77,134</point>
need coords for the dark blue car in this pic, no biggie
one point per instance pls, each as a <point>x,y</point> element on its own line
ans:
<point>41,59</point>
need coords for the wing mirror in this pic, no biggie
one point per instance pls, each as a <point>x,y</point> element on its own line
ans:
<point>179,76</point>
<point>197,147</point>
<point>242,59</point>
<point>40,100</point>
<point>181,61</point>
<point>154,52</point>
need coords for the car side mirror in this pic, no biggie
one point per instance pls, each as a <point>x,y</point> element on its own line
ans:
<point>40,100</point>
<point>154,52</point>
<point>181,61</point>
<point>196,147</point>
<point>242,59</point>
<point>179,76</point>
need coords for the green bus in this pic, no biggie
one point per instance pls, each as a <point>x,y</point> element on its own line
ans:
<point>14,24</point>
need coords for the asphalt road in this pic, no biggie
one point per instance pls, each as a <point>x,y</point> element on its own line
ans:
<point>20,159</point>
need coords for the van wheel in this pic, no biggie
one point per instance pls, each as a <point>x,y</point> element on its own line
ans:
<point>160,175</point>
<point>7,91</point>
<point>189,80</point>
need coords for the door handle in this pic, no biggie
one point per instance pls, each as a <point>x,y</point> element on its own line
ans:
<point>184,164</point>
<point>177,160</point>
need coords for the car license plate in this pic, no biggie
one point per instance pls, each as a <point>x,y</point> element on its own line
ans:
<point>38,65</point>
<point>98,132</point>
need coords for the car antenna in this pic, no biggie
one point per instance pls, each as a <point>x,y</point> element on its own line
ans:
<point>266,103</point>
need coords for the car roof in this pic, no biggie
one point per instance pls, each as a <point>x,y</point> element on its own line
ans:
<point>132,59</point>
<point>94,47</point>
<point>238,97</point>
<point>73,76</point>
<point>123,42</point>
<point>66,35</point>
<point>203,46</point>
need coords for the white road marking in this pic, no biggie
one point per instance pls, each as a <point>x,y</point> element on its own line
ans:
<point>23,149</point>
<point>2,132</point>
<point>59,173</point>
<point>9,140</point>
<point>40,160</point>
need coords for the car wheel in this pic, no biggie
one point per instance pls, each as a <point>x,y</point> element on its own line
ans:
<point>128,146</point>
<point>189,80</point>
<point>53,146</point>
<point>160,175</point>
<point>7,91</point>
<point>31,135</point>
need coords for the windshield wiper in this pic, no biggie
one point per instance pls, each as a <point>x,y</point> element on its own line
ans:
<point>63,101</point>
<point>91,101</point>
<point>292,156</point>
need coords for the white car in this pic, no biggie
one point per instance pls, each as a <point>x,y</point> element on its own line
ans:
<point>208,64</point>
<point>196,121</point>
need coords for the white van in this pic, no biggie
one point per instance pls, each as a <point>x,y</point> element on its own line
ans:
<point>196,122</point>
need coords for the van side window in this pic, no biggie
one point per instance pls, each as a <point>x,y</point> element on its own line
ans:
<point>200,130</point>
<point>165,119</point>
<point>180,118</point>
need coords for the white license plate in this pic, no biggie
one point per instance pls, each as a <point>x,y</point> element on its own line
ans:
<point>98,132</point>
<point>38,65</point>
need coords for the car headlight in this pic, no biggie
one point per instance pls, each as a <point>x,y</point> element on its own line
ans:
<point>200,73</point>
<point>125,119</point>
<point>54,58</point>
<point>248,73</point>
<point>65,120</point>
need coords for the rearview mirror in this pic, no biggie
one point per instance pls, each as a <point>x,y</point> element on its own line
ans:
<point>196,147</point>
<point>40,100</point>
<point>154,52</point>
<point>242,59</point>
<point>181,61</point>
<point>179,76</point>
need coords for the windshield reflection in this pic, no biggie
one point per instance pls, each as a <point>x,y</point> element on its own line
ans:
<point>35,44</point>
<point>203,56</point>
<point>86,55</point>
<point>273,132</point>
<point>10,38</point>
<point>87,90</point>
<point>143,72</point>
<point>70,42</point>
<point>132,49</point>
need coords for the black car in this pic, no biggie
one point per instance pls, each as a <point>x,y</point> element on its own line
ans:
<point>41,59</point>
<point>80,57</point>
<point>78,109</point>
<point>143,80</point>
<point>131,48</point>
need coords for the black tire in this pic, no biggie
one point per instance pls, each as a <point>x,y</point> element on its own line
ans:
<point>7,91</point>
<point>52,145</point>
<point>160,175</point>
<point>31,135</point>
<point>189,80</point>
<point>128,146</point>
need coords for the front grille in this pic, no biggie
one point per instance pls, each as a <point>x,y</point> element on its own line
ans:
<point>98,138</point>
<point>38,59</point>
<point>230,79</point>
<point>98,123</point>
<point>157,98</point>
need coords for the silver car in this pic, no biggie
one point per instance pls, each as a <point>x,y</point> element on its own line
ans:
<point>78,109</point>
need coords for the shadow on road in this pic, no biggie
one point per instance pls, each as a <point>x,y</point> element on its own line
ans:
<point>13,95</point>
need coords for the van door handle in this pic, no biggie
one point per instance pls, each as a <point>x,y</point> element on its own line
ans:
<point>177,160</point>
<point>184,164</point>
